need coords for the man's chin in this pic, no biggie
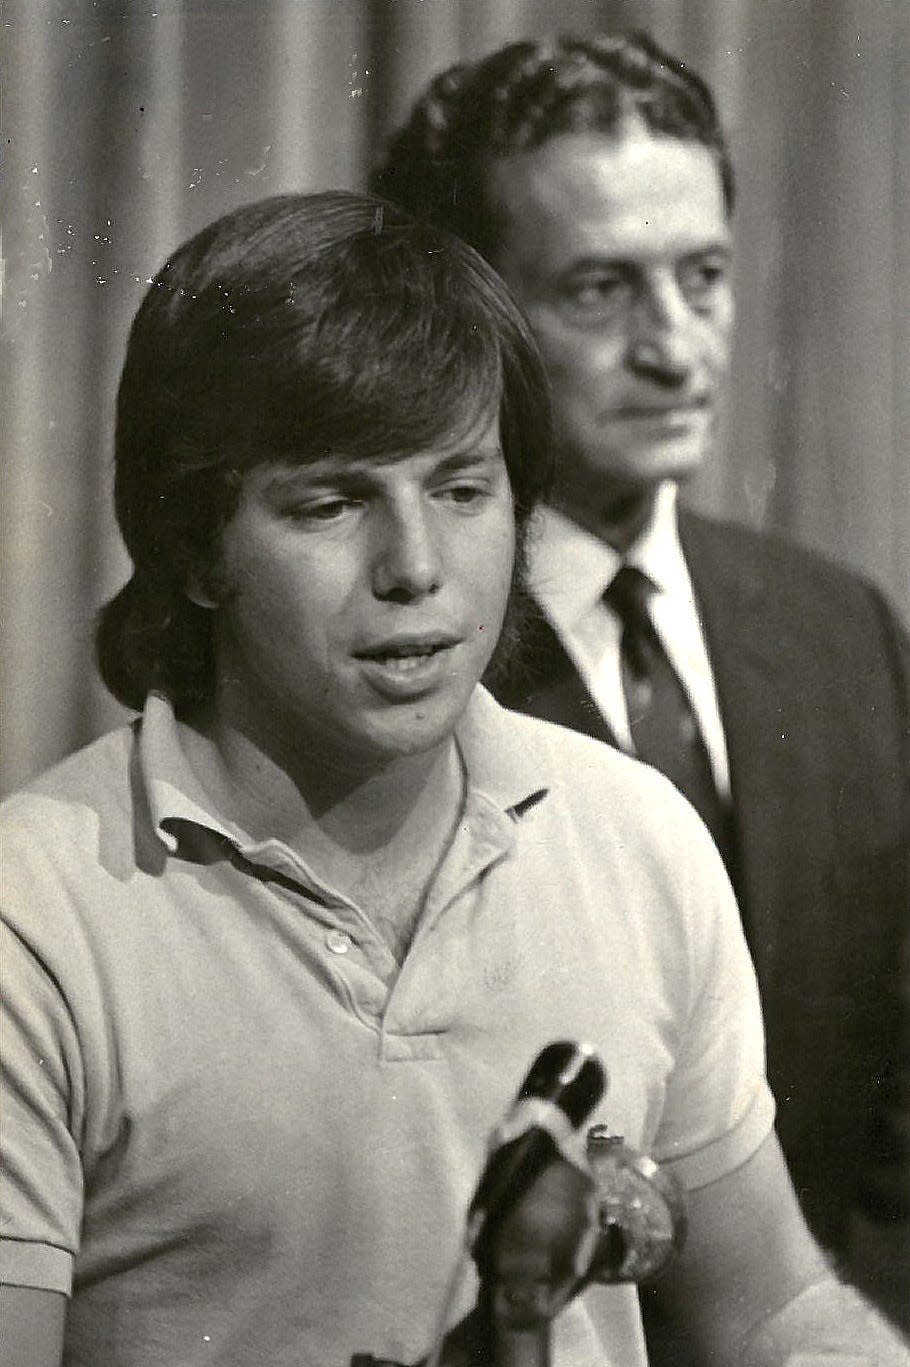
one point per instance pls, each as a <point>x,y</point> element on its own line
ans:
<point>641,472</point>
<point>629,467</point>
<point>414,727</point>
<point>613,497</point>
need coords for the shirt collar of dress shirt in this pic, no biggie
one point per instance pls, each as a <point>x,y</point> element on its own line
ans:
<point>570,568</point>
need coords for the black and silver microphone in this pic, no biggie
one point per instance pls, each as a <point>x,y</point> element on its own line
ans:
<point>564,1084</point>
<point>530,1157</point>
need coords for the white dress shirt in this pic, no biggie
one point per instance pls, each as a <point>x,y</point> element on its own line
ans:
<point>569,571</point>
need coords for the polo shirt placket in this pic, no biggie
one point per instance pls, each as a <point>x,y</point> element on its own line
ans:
<point>408,1004</point>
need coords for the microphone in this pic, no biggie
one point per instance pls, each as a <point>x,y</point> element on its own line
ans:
<point>562,1087</point>
<point>530,1254</point>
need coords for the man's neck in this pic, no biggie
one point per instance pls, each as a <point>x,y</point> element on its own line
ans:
<point>618,516</point>
<point>359,801</point>
<point>376,834</point>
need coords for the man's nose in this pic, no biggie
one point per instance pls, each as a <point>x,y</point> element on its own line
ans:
<point>407,561</point>
<point>662,341</point>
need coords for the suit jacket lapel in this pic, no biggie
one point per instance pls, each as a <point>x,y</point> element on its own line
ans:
<point>742,639</point>
<point>546,684</point>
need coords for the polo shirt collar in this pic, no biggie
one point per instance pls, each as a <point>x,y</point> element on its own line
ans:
<point>504,772</point>
<point>173,792</point>
<point>499,772</point>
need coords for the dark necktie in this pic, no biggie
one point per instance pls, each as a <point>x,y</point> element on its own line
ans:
<point>664,728</point>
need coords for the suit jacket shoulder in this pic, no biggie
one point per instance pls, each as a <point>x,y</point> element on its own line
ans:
<point>792,620</point>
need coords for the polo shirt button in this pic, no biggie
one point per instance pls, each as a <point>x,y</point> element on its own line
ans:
<point>338,941</point>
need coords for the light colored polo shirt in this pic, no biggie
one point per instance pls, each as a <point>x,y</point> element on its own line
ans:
<point>237,1133</point>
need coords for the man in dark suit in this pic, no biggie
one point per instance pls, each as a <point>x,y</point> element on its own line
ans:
<point>772,687</point>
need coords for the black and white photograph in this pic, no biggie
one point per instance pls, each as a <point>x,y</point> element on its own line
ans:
<point>455,713</point>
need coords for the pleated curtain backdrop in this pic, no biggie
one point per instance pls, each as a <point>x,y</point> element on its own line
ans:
<point>129,125</point>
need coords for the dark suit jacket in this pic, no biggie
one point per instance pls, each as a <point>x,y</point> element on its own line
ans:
<point>813,679</point>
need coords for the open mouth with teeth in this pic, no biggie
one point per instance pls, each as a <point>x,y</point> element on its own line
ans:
<point>405,658</point>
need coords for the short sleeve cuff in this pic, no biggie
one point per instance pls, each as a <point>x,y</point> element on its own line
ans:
<point>704,1165</point>
<point>42,1266</point>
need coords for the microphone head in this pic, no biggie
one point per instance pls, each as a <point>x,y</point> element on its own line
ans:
<point>568,1075</point>
<point>562,1087</point>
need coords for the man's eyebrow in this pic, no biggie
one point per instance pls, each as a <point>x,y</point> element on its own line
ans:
<point>620,260</point>
<point>335,469</point>
<point>721,246</point>
<point>471,457</point>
